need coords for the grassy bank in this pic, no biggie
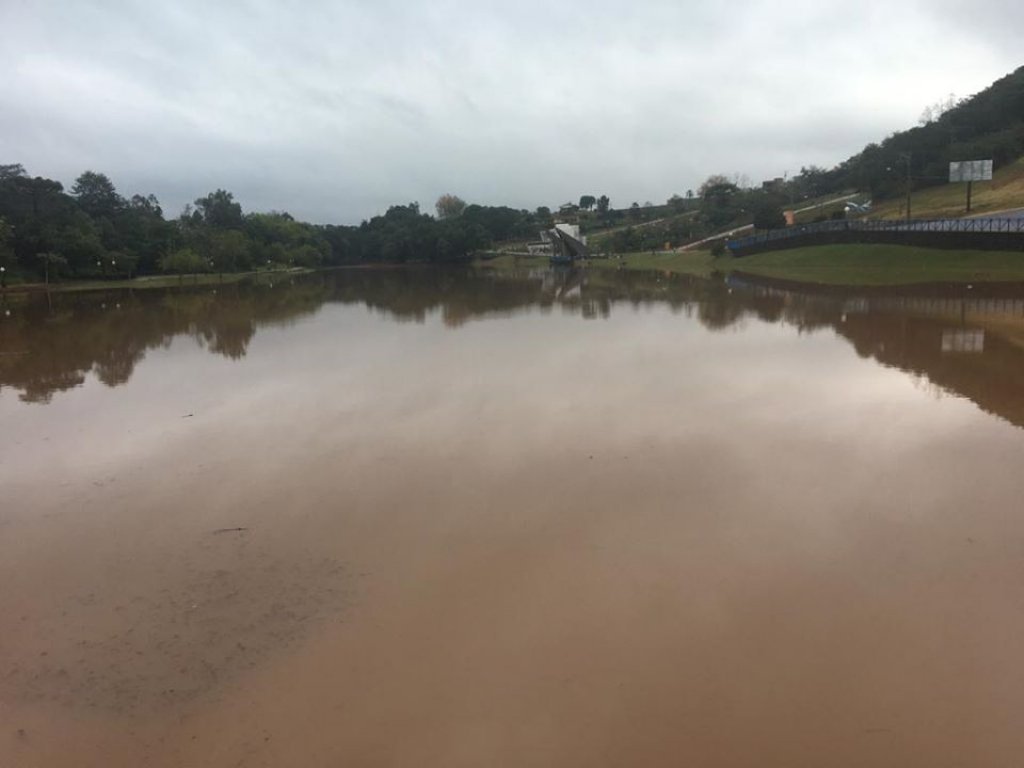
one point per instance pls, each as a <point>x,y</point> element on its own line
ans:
<point>154,281</point>
<point>1005,191</point>
<point>883,265</point>
<point>827,264</point>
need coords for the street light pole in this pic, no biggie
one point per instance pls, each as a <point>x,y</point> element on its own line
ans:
<point>906,157</point>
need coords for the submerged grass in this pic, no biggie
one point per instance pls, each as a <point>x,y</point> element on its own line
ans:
<point>700,263</point>
<point>827,264</point>
<point>688,262</point>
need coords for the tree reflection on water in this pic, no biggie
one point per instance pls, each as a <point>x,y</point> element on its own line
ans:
<point>51,344</point>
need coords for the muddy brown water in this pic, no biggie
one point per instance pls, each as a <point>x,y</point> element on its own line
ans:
<point>420,518</point>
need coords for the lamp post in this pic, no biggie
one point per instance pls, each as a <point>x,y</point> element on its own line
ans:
<point>3,278</point>
<point>906,158</point>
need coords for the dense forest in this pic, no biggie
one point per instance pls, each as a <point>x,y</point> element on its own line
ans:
<point>92,231</point>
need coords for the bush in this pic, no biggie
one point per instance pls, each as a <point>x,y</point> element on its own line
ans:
<point>184,261</point>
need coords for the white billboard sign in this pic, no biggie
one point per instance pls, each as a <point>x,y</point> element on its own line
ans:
<point>970,170</point>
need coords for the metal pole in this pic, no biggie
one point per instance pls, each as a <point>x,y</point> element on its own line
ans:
<point>908,185</point>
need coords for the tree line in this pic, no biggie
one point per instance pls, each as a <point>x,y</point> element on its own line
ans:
<point>92,231</point>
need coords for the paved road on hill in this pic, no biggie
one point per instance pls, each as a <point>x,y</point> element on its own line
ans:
<point>939,225</point>
<point>750,227</point>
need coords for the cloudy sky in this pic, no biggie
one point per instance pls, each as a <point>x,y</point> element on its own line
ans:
<point>333,110</point>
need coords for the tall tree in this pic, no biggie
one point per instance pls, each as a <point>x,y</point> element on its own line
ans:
<point>12,171</point>
<point>79,241</point>
<point>219,209</point>
<point>449,206</point>
<point>228,251</point>
<point>714,182</point>
<point>587,202</point>
<point>603,203</point>
<point>148,204</point>
<point>97,195</point>
<point>768,215</point>
<point>6,249</point>
<point>143,236</point>
<point>719,200</point>
<point>542,219</point>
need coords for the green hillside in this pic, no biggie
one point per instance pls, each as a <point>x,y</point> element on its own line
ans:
<point>1005,191</point>
<point>989,124</point>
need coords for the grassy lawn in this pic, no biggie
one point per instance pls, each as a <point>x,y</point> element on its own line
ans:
<point>1005,191</point>
<point>883,265</point>
<point>698,263</point>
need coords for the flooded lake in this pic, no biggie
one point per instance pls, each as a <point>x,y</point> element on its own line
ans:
<point>405,518</point>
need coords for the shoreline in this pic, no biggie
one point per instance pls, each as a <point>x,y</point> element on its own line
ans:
<point>174,281</point>
<point>850,266</point>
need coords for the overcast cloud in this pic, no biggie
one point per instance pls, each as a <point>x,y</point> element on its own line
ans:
<point>335,110</point>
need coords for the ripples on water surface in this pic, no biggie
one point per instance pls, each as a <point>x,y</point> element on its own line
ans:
<point>444,519</point>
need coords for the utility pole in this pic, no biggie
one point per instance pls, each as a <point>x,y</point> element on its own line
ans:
<point>906,156</point>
